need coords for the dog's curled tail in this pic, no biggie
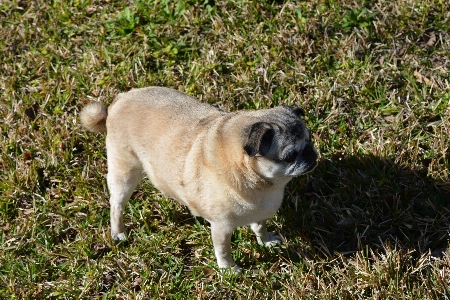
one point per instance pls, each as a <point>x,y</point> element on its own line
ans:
<point>93,117</point>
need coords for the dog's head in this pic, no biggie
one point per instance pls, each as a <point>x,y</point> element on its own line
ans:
<point>279,144</point>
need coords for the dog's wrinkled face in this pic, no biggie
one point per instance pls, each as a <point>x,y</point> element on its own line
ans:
<point>281,145</point>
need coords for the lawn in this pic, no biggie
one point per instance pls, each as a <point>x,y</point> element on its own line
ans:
<point>371,221</point>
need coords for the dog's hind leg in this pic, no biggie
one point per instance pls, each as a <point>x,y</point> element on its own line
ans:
<point>264,237</point>
<point>124,174</point>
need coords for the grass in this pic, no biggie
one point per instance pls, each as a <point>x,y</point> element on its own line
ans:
<point>373,219</point>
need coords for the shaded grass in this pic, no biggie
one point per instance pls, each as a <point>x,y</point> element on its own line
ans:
<point>372,221</point>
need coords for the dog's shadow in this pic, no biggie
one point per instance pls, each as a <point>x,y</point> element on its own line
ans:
<point>349,203</point>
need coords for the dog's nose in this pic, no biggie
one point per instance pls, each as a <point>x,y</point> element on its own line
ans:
<point>309,152</point>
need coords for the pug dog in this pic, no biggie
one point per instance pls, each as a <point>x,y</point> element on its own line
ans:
<point>229,168</point>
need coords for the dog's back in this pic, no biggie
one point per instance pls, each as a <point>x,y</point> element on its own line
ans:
<point>161,98</point>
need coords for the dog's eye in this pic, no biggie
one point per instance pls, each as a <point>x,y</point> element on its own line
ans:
<point>291,157</point>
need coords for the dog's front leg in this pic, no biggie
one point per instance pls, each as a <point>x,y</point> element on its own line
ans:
<point>264,237</point>
<point>221,236</point>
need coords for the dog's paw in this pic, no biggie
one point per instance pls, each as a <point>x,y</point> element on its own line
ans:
<point>119,236</point>
<point>272,240</point>
<point>233,270</point>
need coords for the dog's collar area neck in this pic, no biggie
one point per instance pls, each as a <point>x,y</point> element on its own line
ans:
<point>252,179</point>
<point>262,179</point>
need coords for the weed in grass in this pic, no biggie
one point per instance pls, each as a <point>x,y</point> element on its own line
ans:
<point>357,19</point>
<point>126,22</point>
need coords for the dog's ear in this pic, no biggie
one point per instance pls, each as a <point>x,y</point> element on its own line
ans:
<point>259,139</point>
<point>299,112</point>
